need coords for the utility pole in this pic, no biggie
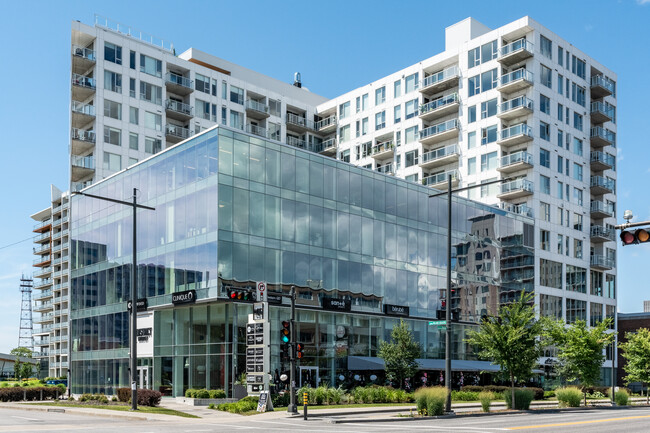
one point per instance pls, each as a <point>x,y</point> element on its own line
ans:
<point>292,356</point>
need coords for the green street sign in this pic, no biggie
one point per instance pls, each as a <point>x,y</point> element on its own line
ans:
<point>437,322</point>
<point>442,327</point>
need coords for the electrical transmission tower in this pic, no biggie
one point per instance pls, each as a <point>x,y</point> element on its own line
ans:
<point>26,338</point>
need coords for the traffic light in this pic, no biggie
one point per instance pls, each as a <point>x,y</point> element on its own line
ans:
<point>299,348</point>
<point>285,331</point>
<point>638,236</point>
<point>241,295</point>
<point>284,352</point>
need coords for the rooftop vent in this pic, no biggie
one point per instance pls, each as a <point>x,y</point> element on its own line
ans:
<point>296,80</point>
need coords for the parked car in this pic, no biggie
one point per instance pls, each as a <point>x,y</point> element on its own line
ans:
<point>58,381</point>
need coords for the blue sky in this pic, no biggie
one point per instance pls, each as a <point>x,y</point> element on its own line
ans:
<point>336,45</point>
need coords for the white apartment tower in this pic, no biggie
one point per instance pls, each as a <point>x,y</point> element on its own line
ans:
<point>517,103</point>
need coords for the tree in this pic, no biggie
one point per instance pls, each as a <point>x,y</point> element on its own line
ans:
<point>636,351</point>
<point>400,354</point>
<point>510,339</point>
<point>22,370</point>
<point>580,350</point>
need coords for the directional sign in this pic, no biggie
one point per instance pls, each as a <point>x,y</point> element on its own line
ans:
<point>437,322</point>
<point>261,291</point>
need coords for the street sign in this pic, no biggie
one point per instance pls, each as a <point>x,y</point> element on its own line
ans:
<point>442,327</point>
<point>261,291</point>
<point>437,322</point>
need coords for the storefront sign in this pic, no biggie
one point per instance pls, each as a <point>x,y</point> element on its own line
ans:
<point>187,297</point>
<point>141,305</point>
<point>337,304</point>
<point>396,310</point>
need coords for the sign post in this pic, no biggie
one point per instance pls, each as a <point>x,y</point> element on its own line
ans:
<point>258,354</point>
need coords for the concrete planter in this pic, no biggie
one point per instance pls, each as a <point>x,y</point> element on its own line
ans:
<point>203,401</point>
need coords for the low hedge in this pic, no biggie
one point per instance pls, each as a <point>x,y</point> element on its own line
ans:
<point>204,393</point>
<point>246,404</point>
<point>146,397</point>
<point>380,394</point>
<point>29,394</point>
<point>570,396</point>
<point>431,401</point>
<point>538,393</point>
<point>464,395</point>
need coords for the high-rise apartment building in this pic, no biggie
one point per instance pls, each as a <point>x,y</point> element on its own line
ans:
<point>517,103</point>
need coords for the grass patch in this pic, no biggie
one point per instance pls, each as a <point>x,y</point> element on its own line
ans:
<point>122,408</point>
<point>346,406</point>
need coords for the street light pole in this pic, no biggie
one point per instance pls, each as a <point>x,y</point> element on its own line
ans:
<point>292,356</point>
<point>134,292</point>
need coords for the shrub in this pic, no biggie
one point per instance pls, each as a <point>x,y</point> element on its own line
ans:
<point>280,400</point>
<point>570,396</point>
<point>431,400</point>
<point>486,398</point>
<point>4,384</point>
<point>202,393</point>
<point>211,406</point>
<point>320,395</point>
<point>114,398</point>
<point>472,388</point>
<point>244,405</point>
<point>497,389</point>
<point>61,388</point>
<point>621,397</point>
<point>149,397</point>
<point>103,399</point>
<point>16,385</point>
<point>123,394</point>
<point>217,393</point>
<point>549,394</point>
<point>464,395</point>
<point>523,397</point>
<point>334,395</point>
<point>85,397</point>
<point>538,393</point>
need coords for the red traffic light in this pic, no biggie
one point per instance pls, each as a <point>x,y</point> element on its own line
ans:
<point>639,236</point>
<point>299,348</point>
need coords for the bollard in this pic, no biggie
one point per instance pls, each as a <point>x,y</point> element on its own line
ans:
<point>41,394</point>
<point>24,394</point>
<point>305,400</point>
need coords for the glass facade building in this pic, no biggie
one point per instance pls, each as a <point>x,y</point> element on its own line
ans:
<point>232,209</point>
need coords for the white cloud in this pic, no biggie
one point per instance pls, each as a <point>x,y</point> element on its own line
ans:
<point>642,2</point>
<point>589,27</point>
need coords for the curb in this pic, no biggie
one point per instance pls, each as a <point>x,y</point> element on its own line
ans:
<point>76,411</point>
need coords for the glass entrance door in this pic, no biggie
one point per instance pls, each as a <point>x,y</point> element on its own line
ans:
<point>309,376</point>
<point>143,377</point>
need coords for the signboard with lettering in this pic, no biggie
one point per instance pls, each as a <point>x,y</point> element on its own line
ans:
<point>257,349</point>
<point>141,305</point>
<point>396,310</point>
<point>337,304</point>
<point>187,297</point>
<point>144,334</point>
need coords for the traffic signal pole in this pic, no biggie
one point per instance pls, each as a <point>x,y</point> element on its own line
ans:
<point>292,408</point>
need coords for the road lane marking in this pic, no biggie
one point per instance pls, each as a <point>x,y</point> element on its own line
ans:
<point>578,422</point>
<point>28,419</point>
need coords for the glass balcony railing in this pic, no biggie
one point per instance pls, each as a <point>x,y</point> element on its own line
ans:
<point>178,106</point>
<point>386,168</point>
<point>82,52</point>
<point>519,74</point>
<point>42,259</point>
<point>441,178</point>
<point>513,47</point>
<point>513,104</point>
<point>598,260</point>
<point>299,121</point>
<point>441,76</point>
<point>87,109</point>
<point>83,81</point>
<point>83,161</point>
<point>324,145</point>
<point>602,232</point>
<point>383,147</point>
<point>603,133</point>
<point>179,80</point>
<point>438,103</point>
<point>514,158</point>
<point>602,157</point>
<point>601,182</point>
<point>296,142</point>
<point>82,135</point>
<point>439,128</point>
<point>440,153</point>
<point>513,131</point>
<point>324,123</point>
<point>257,106</point>
<point>520,209</point>
<point>517,185</point>
<point>256,130</point>
<point>177,131</point>
<point>602,81</point>
<point>603,108</point>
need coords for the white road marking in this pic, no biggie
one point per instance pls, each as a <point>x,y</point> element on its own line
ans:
<point>28,419</point>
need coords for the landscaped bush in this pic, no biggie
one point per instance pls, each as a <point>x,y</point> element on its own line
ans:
<point>123,394</point>
<point>464,395</point>
<point>497,389</point>
<point>430,401</point>
<point>281,400</point>
<point>30,394</point>
<point>523,397</point>
<point>146,397</point>
<point>217,393</point>
<point>621,397</point>
<point>538,393</point>
<point>486,398</point>
<point>202,393</point>
<point>549,394</point>
<point>570,396</point>
<point>4,384</point>
<point>246,404</point>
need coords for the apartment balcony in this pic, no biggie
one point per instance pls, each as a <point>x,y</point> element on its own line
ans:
<point>600,185</point>
<point>175,133</point>
<point>327,147</point>
<point>515,81</point>
<point>440,132</point>
<point>42,272</point>
<point>387,168</point>
<point>43,237</point>
<point>516,134</point>
<point>327,125</point>
<point>600,234</point>
<point>440,180</point>
<point>43,283</point>
<point>257,110</point>
<point>519,209</point>
<point>256,130</point>
<point>45,317</point>
<point>439,157</point>
<point>45,294</point>
<point>178,110</point>
<point>517,107</point>
<point>42,249</point>
<point>44,329</point>
<point>601,137</point>
<point>601,86</point>
<point>82,166</point>
<point>82,141</point>
<point>601,112</point>
<point>299,124</point>
<point>601,263</point>
<point>82,59</point>
<point>42,306</point>
<point>383,150</point>
<point>440,107</point>
<point>515,52</point>
<point>601,161</point>
<point>82,114</point>
<point>82,87</point>
<point>515,162</point>
<point>178,84</point>
<point>440,81</point>
<point>296,142</point>
<point>516,189</point>
<point>42,261</point>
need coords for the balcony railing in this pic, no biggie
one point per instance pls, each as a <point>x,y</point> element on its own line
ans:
<point>513,47</point>
<point>42,259</point>
<point>80,108</point>
<point>600,261</point>
<point>81,135</point>
<point>439,178</point>
<point>440,153</point>
<point>602,158</point>
<point>383,147</point>
<point>604,82</point>
<point>177,131</point>
<point>513,104</point>
<point>299,121</point>
<point>83,81</point>
<point>324,123</point>
<point>604,134</point>
<point>517,185</point>
<point>602,232</point>
<point>179,107</point>
<point>438,103</point>
<point>179,80</point>
<point>256,130</point>
<point>83,161</point>
<point>601,182</point>
<point>257,106</point>
<point>519,74</point>
<point>82,52</point>
<point>520,209</point>
<point>326,144</point>
<point>440,76</point>
<point>605,109</point>
<point>439,128</point>
<point>513,131</point>
<point>515,158</point>
<point>386,168</point>
<point>296,142</point>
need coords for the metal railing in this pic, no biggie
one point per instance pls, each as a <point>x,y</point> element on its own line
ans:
<point>605,134</point>
<point>179,107</point>
<point>257,106</point>
<point>42,259</point>
<point>520,209</point>
<point>44,294</point>
<point>81,108</point>
<point>327,144</point>
<point>517,185</point>
<point>602,81</point>
<point>82,135</point>
<point>300,121</point>
<point>178,80</point>
<point>604,108</point>
<point>296,142</point>
<point>383,147</point>
<point>513,47</point>
<point>386,168</point>
<point>513,131</point>
<point>440,153</point>
<point>109,24</point>
<point>85,53</point>
<point>256,130</point>
<point>601,261</point>
<point>513,104</point>
<point>83,162</point>
<point>43,223</point>
<point>42,248</point>
<point>443,75</point>
<point>440,178</point>
<point>602,182</point>
<point>602,157</point>
<point>437,103</point>
<point>515,158</point>
<point>177,131</point>
<point>519,74</point>
<point>439,128</point>
<point>602,232</point>
<point>83,81</point>
<point>324,123</point>
<point>42,236</point>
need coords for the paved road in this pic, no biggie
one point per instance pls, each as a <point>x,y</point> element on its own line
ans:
<point>593,421</point>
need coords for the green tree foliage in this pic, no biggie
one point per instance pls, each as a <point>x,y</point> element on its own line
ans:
<point>511,339</point>
<point>580,350</point>
<point>22,370</point>
<point>636,351</point>
<point>400,354</point>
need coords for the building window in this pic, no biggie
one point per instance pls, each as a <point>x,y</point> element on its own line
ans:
<point>546,47</point>
<point>489,161</point>
<point>560,190</point>
<point>224,117</point>
<point>274,131</point>
<point>411,108</point>
<point>474,85</point>
<point>471,166</point>
<point>560,134</point>
<point>560,244</point>
<point>577,248</point>
<point>133,141</point>
<point>576,278</point>
<point>578,67</point>
<point>236,95</point>
<point>364,101</point>
<point>275,107</point>
<point>577,221</point>
<point>545,211</point>
<point>560,55</point>
<point>397,112</point>
<point>380,95</point>
<point>488,108</point>
<point>202,83</point>
<point>411,135</point>
<point>471,114</point>
<point>344,110</point>
<point>344,133</point>
<point>202,109</point>
<point>397,89</point>
<point>544,184</point>
<point>150,66</point>
<point>560,82</point>
<point>550,274</point>
<point>544,104</point>
<point>577,121</point>
<point>152,121</point>
<point>112,136</point>
<point>560,164</point>
<point>546,76</point>
<point>132,60</point>
<point>471,140</point>
<point>578,196</point>
<point>544,131</point>
<point>358,104</point>
<point>224,90</point>
<point>577,146</point>
<point>489,134</point>
<point>411,158</point>
<point>134,115</point>
<point>398,138</point>
<point>560,112</point>
<point>577,171</point>
<point>489,80</point>
<point>112,53</point>
<point>544,158</point>
<point>237,119</point>
<point>151,93</point>
<point>411,83</point>
<point>412,178</point>
<point>578,94</point>
<point>610,286</point>
<point>345,155</point>
<point>550,306</point>
<point>152,145</point>
<point>112,109</point>
<point>545,240</point>
<point>112,162</point>
<point>113,81</point>
<point>380,120</point>
<point>132,87</point>
<point>575,310</point>
<point>482,54</point>
<point>364,126</point>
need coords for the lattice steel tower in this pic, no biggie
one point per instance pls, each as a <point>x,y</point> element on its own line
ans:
<point>26,337</point>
